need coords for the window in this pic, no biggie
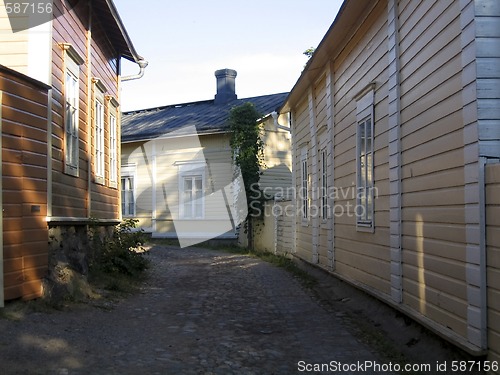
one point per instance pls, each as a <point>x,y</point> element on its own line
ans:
<point>324,184</point>
<point>191,189</point>
<point>113,147</point>
<point>71,115</point>
<point>128,199</point>
<point>192,197</point>
<point>364,169</point>
<point>99,135</point>
<point>304,194</point>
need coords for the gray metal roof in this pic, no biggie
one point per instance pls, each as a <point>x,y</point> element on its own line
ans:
<point>206,116</point>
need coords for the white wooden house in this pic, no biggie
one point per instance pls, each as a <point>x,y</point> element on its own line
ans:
<point>176,161</point>
<point>394,119</point>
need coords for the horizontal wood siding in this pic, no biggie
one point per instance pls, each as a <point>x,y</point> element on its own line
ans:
<point>277,172</point>
<point>487,21</point>
<point>364,257</point>
<point>105,198</point>
<point>284,212</point>
<point>14,51</point>
<point>137,155</point>
<point>493,258</point>
<point>432,141</point>
<point>69,192</point>
<point>24,180</point>
<point>157,165</point>
<point>322,142</point>
<point>303,239</point>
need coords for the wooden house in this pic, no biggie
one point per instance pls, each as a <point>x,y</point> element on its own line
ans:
<point>176,160</point>
<point>60,129</point>
<point>393,121</point>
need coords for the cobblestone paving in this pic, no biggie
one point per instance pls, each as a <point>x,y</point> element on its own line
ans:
<point>202,312</point>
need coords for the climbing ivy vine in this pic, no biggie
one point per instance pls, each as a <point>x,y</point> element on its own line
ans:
<point>248,155</point>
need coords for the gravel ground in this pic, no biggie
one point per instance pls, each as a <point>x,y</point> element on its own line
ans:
<point>200,312</point>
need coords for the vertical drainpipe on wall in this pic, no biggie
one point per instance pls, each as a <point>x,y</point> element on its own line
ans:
<point>482,253</point>
<point>1,208</point>
<point>89,114</point>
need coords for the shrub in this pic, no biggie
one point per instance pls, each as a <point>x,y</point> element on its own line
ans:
<point>123,253</point>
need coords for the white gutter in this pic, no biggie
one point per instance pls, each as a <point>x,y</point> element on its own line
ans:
<point>142,67</point>
<point>275,116</point>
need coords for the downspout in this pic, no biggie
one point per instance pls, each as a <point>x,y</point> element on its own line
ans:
<point>277,125</point>
<point>142,67</point>
<point>482,253</point>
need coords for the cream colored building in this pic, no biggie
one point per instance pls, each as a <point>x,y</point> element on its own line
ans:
<point>176,167</point>
<point>393,121</point>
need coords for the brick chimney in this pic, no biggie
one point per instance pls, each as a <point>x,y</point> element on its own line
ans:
<point>225,86</point>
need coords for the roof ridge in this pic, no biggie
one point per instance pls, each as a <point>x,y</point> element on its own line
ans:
<point>179,105</point>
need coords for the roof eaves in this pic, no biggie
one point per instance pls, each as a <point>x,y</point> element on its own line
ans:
<point>329,47</point>
<point>131,54</point>
<point>147,138</point>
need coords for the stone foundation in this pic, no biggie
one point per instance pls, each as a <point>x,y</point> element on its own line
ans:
<point>70,253</point>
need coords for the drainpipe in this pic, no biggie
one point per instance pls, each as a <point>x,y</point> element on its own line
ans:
<point>275,116</point>
<point>1,210</point>
<point>483,161</point>
<point>142,66</point>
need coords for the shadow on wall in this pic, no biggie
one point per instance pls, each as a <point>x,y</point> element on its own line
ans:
<point>24,185</point>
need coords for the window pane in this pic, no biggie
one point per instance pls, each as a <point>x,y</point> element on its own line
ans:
<point>192,197</point>
<point>198,194</point>
<point>71,120</point>
<point>199,209</point>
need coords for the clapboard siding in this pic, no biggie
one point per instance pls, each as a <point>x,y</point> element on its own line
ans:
<point>71,198</point>
<point>362,256</point>
<point>434,66</point>
<point>157,166</point>
<point>23,109</point>
<point>284,227</point>
<point>277,171</point>
<point>433,178</point>
<point>303,240</point>
<point>488,75</point>
<point>72,192</point>
<point>493,257</point>
<point>15,45</point>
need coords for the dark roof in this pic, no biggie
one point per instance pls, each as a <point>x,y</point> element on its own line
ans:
<point>205,115</point>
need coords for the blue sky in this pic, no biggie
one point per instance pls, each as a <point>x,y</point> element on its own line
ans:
<point>186,41</point>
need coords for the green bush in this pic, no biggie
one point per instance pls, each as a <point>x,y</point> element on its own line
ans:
<point>123,253</point>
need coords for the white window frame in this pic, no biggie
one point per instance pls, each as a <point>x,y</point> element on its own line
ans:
<point>365,179</point>
<point>304,186</point>
<point>191,170</point>
<point>71,116</point>
<point>113,146</point>
<point>128,172</point>
<point>99,129</point>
